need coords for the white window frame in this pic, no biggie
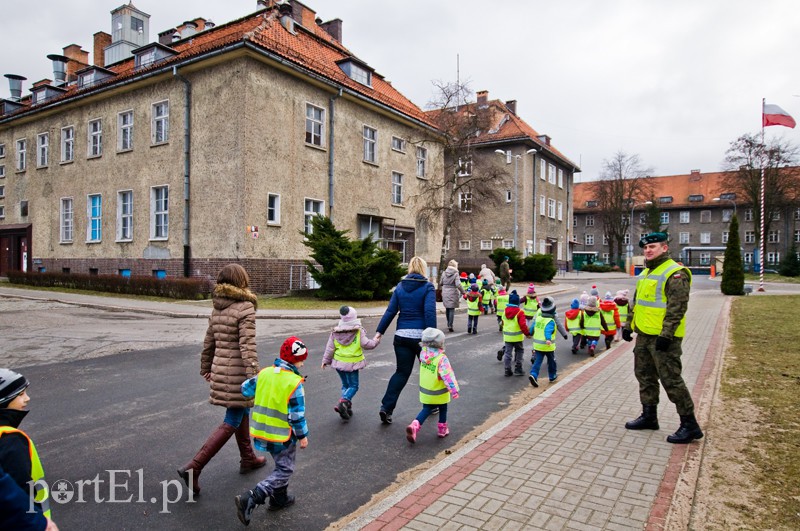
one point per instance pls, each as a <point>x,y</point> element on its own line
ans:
<point>684,238</point>
<point>42,150</point>
<point>776,215</point>
<point>748,258</point>
<point>684,216</point>
<point>705,237</point>
<point>22,152</point>
<point>2,212</point>
<point>370,136</point>
<point>543,169</point>
<point>508,244</point>
<point>749,236</point>
<point>95,138</point>
<point>422,162</point>
<point>2,151</point>
<point>125,131</point>
<point>2,191</point>
<point>542,205</point>
<point>605,239</point>
<point>275,209</point>
<point>486,245</point>
<point>725,235</point>
<point>465,202</point>
<point>797,214</point>
<point>92,217</point>
<point>590,220</point>
<point>560,178</point>
<point>705,216</point>
<point>509,196</point>
<point>159,212</point>
<point>397,188</point>
<point>705,258</point>
<point>748,214</point>
<point>317,208</point>
<point>664,218</point>
<point>626,239</point>
<point>464,168</point>
<point>464,245</point>
<point>551,208</point>
<point>398,144</point>
<point>774,236</point>
<point>773,257</point>
<point>797,236</point>
<point>551,173</point>
<point>124,215</point>
<point>560,211</point>
<point>2,171</point>
<point>159,124</point>
<point>588,239</point>
<point>66,216</point>
<point>68,143</point>
<point>315,125</point>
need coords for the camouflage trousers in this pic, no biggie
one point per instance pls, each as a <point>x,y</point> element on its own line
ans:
<point>650,366</point>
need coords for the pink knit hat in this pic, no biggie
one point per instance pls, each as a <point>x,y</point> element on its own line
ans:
<point>622,294</point>
<point>531,288</point>
<point>348,314</point>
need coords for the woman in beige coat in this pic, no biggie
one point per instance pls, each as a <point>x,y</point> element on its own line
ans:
<point>229,358</point>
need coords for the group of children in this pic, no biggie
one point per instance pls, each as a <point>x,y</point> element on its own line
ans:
<point>590,318</point>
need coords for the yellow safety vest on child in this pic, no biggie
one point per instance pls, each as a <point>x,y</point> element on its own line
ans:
<point>539,339</point>
<point>270,420</point>
<point>432,389</point>
<point>41,494</point>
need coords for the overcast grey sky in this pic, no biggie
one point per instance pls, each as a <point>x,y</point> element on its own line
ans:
<point>674,81</point>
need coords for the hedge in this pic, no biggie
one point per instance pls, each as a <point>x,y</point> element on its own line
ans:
<point>174,288</point>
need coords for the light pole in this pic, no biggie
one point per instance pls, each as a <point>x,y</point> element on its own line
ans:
<point>718,199</point>
<point>629,248</point>
<point>516,189</point>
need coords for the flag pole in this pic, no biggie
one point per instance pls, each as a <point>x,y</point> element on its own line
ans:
<point>761,256</point>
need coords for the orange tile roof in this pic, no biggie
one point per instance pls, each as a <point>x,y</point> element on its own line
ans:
<point>311,49</point>
<point>507,127</point>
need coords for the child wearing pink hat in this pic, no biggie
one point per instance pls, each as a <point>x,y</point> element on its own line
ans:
<point>529,304</point>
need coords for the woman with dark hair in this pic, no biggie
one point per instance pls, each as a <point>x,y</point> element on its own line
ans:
<point>229,358</point>
<point>414,299</point>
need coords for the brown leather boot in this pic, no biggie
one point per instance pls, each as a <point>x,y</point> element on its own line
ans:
<point>215,441</point>
<point>249,460</point>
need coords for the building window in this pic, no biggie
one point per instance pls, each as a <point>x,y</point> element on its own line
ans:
<point>797,236</point>
<point>705,259</point>
<point>725,236</point>
<point>542,205</point>
<point>508,244</point>
<point>508,196</point>
<point>748,258</point>
<point>315,126</point>
<point>398,144</point>
<point>665,199</point>
<point>605,257</point>
<point>705,237</point>
<point>465,201</point>
<point>312,208</point>
<point>125,215</point>
<point>159,212</point>
<point>749,236</point>
<point>2,212</point>
<point>2,191</point>
<point>591,204</point>
<point>683,238</point>
<point>642,218</point>
<point>463,245</point>
<point>588,239</point>
<point>797,214</point>
<point>560,178</point>
<point>665,218</point>
<point>23,208</point>
<point>774,236</point>
<point>42,149</point>
<point>397,188</point>
<point>695,198</point>
<point>273,209</point>
<point>551,208</point>
<point>684,216</point>
<point>125,131</point>
<point>486,245</point>
<point>2,171</point>
<point>605,239</point>
<point>773,258</point>
<point>748,214</point>
<point>542,169</point>
<point>727,215</point>
<point>574,221</point>
<point>560,214</point>
<point>705,216</point>
<point>422,161</point>
<point>590,220</point>
<point>67,144</point>
<point>22,148</point>
<point>627,238</point>
<point>776,216</point>
<point>370,142</point>
<point>551,173</point>
<point>95,138</point>
<point>464,167</point>
<point>66,217</point>
<point>2,151</point>
<point>159,128</point>
<point>94,214</point>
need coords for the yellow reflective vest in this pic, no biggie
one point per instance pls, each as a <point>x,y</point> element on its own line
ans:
<point>432,389</point>
<point>574,325</point>
<point>530,306</point>
<point>539,339</point>
<point>650,306</point>
<point>352,353</point>
<point>473,306</point>
<point>270,411</point>
<point>502,302</point>
<point>623,314</point>
<point>41,494</point>
<point>512,333</point>
<point>488,295</point>
<point>592,326</point>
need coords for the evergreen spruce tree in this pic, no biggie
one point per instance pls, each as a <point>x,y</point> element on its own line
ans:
<point>790,266</point>
<point>732,273</point>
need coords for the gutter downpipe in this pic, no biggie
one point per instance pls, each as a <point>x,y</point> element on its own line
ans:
<point>187,139</point>
<point>330,152</point>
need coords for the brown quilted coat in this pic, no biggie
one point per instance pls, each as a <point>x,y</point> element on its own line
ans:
<point>229,349</point>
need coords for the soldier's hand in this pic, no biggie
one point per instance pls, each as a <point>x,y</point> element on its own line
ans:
<point>662,344</point>
<point>627,335</point>
<point>566,336</point>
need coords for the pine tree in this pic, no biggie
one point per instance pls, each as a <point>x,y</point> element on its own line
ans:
<point>790,266</point>
<point>733,273</point>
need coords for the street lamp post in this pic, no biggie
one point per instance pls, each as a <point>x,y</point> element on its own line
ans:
<point>516,189</point>
<point>718,199</point>
<point>629,248</point>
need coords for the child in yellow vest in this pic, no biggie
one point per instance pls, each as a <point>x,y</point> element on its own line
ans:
<point>624,309</point>
<point>345,353</point>
<point>278,426</point>
<point>474,301</point>
<point>530,304</point>
<point>572,323</point>
<point>18,455</point>
<point>611,316</point>
<point>437,383</point>
<point>545,329</point>
<point>487,297</point>
<point>592,324</point>
<point>500,305</point>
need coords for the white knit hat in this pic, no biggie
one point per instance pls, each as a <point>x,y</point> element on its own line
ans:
<point>432,337</point>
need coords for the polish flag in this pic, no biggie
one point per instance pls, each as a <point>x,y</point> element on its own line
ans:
<point>774,115</point>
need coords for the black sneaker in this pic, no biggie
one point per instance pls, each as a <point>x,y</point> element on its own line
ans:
<point>341,408</point>
<point>532,379</point>
<point>245,505</point>
<point>554,378</point>
<point>518,371</point>
<point>509,373</point>
<point>500,354</point>
<point>386,418</point>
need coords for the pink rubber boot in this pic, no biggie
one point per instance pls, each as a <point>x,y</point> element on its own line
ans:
<point>443,430</point>
<point>411,431</point>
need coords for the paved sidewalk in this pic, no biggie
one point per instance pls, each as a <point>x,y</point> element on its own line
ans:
<point>565,460</point>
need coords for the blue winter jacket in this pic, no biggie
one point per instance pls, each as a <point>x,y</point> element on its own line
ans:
<point>415,299</point>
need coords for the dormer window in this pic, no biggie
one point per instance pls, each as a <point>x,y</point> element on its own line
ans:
<point>91,75</point>
<point>357,71</point>
<point>151,53</point>
<point>665,199</point>
<point>695,198</point>
<point>729,196</point>
<point>591,204</point>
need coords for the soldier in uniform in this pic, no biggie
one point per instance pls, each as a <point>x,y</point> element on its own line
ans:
<point>659,320</point>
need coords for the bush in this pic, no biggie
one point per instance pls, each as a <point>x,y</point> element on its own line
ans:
<point>790,265</point>
<point>594,268</point>
<point>174,288</point>
<point>539,268</point>
<point>732,272</point>
<point>515,262</point>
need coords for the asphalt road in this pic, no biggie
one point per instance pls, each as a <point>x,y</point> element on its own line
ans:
<point>144,413</point>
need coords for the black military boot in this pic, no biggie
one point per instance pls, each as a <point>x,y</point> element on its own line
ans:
<point>688,431</point>
<point>247,502</point>
<point>648,420</point>
<point>280,499</point>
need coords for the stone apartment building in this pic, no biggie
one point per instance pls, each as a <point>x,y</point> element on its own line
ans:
<point>695,210</point>
<point>215,143</point>
<point>535,194</point>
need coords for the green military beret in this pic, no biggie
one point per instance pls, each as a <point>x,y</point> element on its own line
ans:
<point>653,237</point>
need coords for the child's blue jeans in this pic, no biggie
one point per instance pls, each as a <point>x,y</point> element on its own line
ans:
<point>426,412</point>
<point>538,357</point>
<point>349,383</point>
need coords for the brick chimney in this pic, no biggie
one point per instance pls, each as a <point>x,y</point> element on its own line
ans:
<point>303,14</point>
<point>101,40</point>
<point>78,59</point>
<point>483,97</point>
<point>511,105</point>
<point>333,28</point>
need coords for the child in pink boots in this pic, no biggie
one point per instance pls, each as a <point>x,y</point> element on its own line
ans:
<point>437,383</point>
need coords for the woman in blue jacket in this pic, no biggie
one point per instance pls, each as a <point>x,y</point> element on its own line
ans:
<point>415,299</point>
